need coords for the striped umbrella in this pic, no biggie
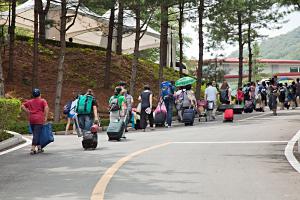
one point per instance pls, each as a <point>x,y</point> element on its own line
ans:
<point>185,81</point>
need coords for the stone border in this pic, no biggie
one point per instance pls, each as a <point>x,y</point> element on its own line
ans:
<point>17,139</point>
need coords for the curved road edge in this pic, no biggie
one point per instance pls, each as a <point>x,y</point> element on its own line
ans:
<point>17,139</point>
<point>289,152</point>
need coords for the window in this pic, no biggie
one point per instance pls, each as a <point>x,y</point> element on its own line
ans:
<point>294,69</point>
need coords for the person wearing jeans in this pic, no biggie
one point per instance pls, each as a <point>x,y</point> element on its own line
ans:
<point>86,120</point>
<point>167,95</point>
<point>169,102</point>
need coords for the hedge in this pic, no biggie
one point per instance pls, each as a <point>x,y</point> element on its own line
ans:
<point>9,112</point>
<point>22,127</point>
<point>4,136</point>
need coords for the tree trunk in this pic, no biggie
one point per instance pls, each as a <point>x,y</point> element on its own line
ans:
<point>201,46</point>
<point>2,91</point>
<point>120,28</point>
<point>109,46</point>
<point>250,63</point>
<point>12,41</point>
<point>180,26</point>
<point>42,28</point>
<point>35,67</point>
<point>59,82</point>
<point>42,20</point>
<point>241,46</point>
<point>136,54</point>
<point>163,39</point>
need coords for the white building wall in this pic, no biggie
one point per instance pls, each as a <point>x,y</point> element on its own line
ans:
<point>233,68</point>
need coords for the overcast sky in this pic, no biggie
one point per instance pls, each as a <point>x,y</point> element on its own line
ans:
<point>192,51</point>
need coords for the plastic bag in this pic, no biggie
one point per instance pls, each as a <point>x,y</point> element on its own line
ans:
<point>160,108</point>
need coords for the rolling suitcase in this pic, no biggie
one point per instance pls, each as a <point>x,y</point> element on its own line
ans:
<point>160,119</point>
<point>115,130</point>
<point>238,109</point>
<point>188,117</point>
<point>228,115</point>
<point>223,107</point>
<point>89,140</point>
<point>249,107</point>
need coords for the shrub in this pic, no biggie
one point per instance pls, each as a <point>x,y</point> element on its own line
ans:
<point>22,127</point>
<point>9,112</point>
<point>61,126</point>
<point>104,122</point>
<point>4,136</point>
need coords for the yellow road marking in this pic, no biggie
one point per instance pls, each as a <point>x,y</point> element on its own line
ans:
<point>99,190</point>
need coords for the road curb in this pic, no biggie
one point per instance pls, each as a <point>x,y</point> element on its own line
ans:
<point>17,139</point>
<point>289,152</point>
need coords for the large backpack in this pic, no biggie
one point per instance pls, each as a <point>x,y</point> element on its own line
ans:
<point>114,104</point>
<point>84,104</point>
<point>263,92</point>
<point>186,102</point>
<point>166,92</point>
<point>282,93</point>
<point>67,107</point>
<point>224,96</point>
<point>246,93</point>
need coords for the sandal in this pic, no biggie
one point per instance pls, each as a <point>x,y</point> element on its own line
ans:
<point>32,152</point>
<point>40,150</point>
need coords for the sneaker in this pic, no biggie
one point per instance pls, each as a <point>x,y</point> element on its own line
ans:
<point>168,126</point>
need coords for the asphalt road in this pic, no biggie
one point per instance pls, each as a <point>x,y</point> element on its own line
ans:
<point>214,160</point>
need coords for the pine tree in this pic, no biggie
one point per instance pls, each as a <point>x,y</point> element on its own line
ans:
<point>11,30</point>
<point>63,29</point>
<point>109,44</point>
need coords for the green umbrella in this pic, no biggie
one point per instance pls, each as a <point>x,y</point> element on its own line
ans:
<point>185,81</point>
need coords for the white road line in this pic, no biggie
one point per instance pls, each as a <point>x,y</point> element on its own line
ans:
<point>233,142</point>
<point>28,142</point>
<point>264,114</point>
<point>289,152</point>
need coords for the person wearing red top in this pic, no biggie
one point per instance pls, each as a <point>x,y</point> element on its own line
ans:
<point>37,110</point>
<point>239,96</point>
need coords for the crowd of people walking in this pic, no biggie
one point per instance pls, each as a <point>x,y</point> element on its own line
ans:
<point>176,98</point>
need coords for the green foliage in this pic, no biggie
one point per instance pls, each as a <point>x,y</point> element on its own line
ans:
<point>4,135</point>
<point>150,54</point>
<point>285,47</point>
<point>295,3</point>
<point>104,122</point>
<point>22,127</point>
<point>61,126</point>
<point>9,112</point>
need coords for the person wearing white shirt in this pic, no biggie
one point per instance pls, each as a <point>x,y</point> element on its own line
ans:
<point>211,96</point>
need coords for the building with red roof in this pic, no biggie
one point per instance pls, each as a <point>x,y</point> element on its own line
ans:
<point>272,67</point>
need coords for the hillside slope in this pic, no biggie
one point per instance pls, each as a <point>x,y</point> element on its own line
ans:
<point>286,46</point>
<point>84,68</point>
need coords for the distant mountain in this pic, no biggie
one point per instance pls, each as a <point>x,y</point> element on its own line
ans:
<point>286,46</point>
